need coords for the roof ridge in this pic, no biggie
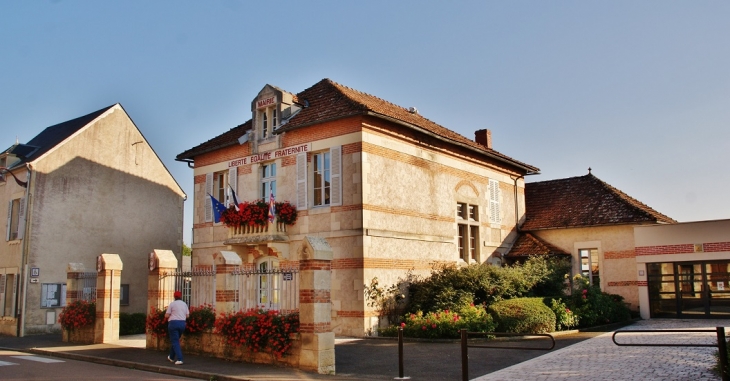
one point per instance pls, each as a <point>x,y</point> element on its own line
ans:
<point>642,207</point>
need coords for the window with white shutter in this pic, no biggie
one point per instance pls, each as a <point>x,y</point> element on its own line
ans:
<point>208,204</point>
<point>233,182</point>
<point>494,196</point>
<point>336,175</point>
<point>302,181</point>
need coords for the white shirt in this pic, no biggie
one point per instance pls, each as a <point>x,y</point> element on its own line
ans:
<point>177,310</point>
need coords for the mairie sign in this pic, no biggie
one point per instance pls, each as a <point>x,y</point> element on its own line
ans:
<point>275,154</point>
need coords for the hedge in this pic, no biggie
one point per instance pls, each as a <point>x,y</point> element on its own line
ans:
<point>523,315</point>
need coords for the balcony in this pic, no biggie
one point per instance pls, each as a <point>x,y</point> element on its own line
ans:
<point>257,234</point>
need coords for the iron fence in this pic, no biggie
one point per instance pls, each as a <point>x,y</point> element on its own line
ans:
<point>269,289</point>
<point>86,286</point>
<point>197,286</point>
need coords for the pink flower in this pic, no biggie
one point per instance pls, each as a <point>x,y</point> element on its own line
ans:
<point>433,326</point>
<point>403,325</point>
<point>585,291</point>
<point>584,297</point>
<point>423,327</point>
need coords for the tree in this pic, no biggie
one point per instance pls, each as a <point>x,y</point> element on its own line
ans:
<point>186,250</point>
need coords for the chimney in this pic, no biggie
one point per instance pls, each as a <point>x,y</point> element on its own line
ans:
<point>484,137</point>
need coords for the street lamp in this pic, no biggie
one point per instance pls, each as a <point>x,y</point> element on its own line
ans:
<point>23,184</point>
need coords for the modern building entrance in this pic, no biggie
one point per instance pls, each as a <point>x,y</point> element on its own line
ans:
<point>689,289</point>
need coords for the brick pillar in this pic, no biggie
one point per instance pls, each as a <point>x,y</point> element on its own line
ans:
<point>73,272</point>
<point>109,273</point>
<point>226,285</point>
<point>318,340</point>
<point>159,292</point>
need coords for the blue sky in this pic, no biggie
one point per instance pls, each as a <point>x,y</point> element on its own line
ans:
<point>638,91</point>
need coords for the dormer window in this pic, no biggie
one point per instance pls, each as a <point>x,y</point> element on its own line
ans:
<point>267,114</point>
<point>264,125</point>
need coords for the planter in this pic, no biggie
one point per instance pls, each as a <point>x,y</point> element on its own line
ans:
<point>84,335</point>
<point>213,345</point>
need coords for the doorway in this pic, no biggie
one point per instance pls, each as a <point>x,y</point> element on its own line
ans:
<point>689,289</point>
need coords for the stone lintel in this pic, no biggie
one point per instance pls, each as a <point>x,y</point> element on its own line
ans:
<point>165,259</point>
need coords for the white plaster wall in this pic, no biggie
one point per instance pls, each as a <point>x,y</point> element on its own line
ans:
<point>102,191</point>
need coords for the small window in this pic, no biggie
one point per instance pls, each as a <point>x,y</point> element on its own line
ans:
<point>264,124</point>
<point>467,216</point>
<point>268,180</point>
<point>589,265</point>
<point>220,187</point>
<point>53,295</point>
<point>124,295</point>
<point>322,179</point>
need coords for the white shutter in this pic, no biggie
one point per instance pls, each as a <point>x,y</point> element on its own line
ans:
<point>336,175</point>
<point>233,182</point>
<point>207,202</point>
<point>10,219</point>
<point>494,196</point>
<point>302,181</point>
<point>21,218</point>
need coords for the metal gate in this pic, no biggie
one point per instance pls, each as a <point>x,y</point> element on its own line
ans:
<point>197,286</point>
<point>268,288</point>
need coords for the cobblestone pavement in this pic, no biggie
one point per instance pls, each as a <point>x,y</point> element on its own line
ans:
<point>600,359</point>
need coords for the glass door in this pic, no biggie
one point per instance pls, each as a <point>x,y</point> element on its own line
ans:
<point>718,289</point>
<point>692,296</point>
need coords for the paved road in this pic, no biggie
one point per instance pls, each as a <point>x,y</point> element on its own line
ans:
<point>18,366</point>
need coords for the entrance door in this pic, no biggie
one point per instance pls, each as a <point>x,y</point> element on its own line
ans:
<point>692,296</point>
<point>689,289</point>
<point>269,283</point>
<point>718,292</point>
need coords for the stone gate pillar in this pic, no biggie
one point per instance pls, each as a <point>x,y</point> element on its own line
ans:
<point>159,292</point>
<point>315,324</point>
<point>74,271</point>
<point>108,283</point>
<point>226,287</point>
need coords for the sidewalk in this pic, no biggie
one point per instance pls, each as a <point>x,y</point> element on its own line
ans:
<point>583,355</point>
<point>599,359</point>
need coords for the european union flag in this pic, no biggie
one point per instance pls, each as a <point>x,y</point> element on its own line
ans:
<point>218,209</point>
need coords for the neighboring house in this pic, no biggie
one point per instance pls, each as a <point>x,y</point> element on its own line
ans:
<point>93,185</point>
<point>684,269</point>
<point>390,190</point>
<point>591,221</point>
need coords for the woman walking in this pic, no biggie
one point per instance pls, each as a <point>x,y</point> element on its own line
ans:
<point>177,313</point>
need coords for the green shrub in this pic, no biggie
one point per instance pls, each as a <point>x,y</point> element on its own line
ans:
<point>449,286</point>
<point>131,323</point>
<point>595,307</point>
<point>523,315</point>
<point>555,278</point>
<point>564,318</point>
<point>444,324</point>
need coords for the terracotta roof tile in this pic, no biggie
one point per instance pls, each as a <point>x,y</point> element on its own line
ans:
<point>226,139</point>
<point>583,201</point>
<point>328,100</point>
<point>528,245</point>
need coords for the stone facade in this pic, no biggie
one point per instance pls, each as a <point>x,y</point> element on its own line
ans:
<point>394,205</point>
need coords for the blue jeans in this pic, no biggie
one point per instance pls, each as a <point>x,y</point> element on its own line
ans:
<point>175,328</point>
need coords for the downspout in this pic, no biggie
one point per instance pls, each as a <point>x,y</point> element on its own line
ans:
<point>517,204</point>
<point>30,179</point>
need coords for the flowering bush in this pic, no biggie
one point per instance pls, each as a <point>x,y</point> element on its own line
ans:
<point>259,330</point>
<point>202,318</point>
<point>77,314</point>
<point>156,322</point>
<point>595,307</point>
<point>286,213</point>
<point>564,318</point>
<point>444,324</point>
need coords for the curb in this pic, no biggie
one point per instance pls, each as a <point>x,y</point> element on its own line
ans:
<point>133,365</point>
